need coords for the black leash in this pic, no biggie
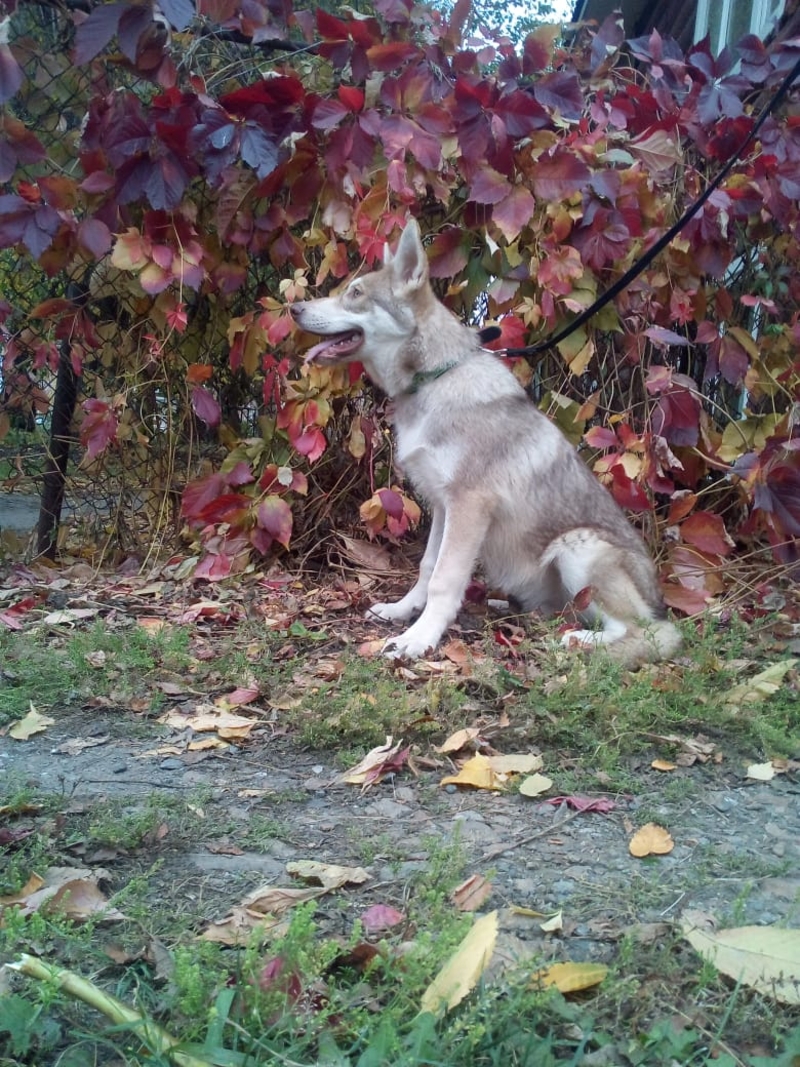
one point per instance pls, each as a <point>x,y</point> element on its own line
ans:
<point>661,243</point>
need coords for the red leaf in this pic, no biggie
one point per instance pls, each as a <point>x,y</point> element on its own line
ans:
<point>11,616</point>
<point>489,187</point>
<point>199,493</point>
<point>514,212</point>
<point>351,97</point>
<point>685,599</point>
<point>275,516</point>
<point>601,437</point>
<point>449,253</point>
<point>559,176</point>
<point>560,91</point>
<point>707,532</point>
<point>381,917</point>
<point>99,427</point>
<point>205,406</point>
<point>390,56</point>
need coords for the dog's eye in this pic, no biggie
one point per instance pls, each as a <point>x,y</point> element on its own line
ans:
<point>356,290</point>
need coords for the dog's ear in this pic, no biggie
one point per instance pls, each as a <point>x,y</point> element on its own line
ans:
<point>409,261</point>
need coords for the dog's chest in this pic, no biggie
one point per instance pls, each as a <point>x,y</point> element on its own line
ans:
<point>430,467</point>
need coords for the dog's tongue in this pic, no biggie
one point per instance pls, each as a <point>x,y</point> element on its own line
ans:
<point>341,344</point>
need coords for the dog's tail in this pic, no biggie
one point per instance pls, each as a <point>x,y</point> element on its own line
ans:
<point>656,640</point>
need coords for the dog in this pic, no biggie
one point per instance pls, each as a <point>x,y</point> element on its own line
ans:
<point>505,487</point>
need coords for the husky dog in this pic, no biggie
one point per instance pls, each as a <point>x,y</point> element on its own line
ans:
<point>504,485</point>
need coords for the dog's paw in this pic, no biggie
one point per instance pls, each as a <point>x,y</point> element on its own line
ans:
<point>408,645</point>
<point>397,612</point>
<point>582,639</point>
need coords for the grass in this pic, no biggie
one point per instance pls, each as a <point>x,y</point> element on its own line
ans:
<point>51,666</point>
<point>314,994</point>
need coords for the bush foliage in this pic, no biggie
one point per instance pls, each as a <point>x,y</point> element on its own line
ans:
<point>217,160</point>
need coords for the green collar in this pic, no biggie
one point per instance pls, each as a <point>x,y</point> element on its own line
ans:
<point>422,377</point>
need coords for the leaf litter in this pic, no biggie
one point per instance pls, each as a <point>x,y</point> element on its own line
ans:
<point>215,714</point>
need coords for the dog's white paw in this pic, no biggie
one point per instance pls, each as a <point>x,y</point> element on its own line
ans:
<point>582,639</point>
<point>410,645</point>
<point>397,612</point>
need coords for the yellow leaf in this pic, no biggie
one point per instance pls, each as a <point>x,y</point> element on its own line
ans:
<point>663,765</point>
<point>476,772</point>
<point>460,739</point>
<point>571,977</point>
<point>761,685</point>
<point>463,970</point>
<point>535,784</point>
<point>516,763</point>
<point>767,958</point>
<point>33,723</point>
<point>651,840</point>
<point>328,875</point>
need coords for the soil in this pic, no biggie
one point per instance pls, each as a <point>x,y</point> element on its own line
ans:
<point>736,854</point>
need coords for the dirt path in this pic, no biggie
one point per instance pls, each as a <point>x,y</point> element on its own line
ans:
<point>736,855</point>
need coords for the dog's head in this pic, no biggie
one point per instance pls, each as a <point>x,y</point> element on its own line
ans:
<point>375,314</point>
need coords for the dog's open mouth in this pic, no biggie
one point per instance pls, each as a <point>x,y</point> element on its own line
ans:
<point>335,348</point>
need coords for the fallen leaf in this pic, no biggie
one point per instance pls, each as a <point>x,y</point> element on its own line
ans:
<point>58,618</point>
<point>276,899</point>
<point>243,927</point>
<point>516,763</point>
<point>76,745</point>
<point>207,718</point>
<point>80,900</point>
<point>206,743</point>
<point>761,772</point>
<point>761,685</point>
<point>328,875</point>
<point>33,723</point>
<point>578,803</point>
<point>224,847</point>
<point>555,922</point>
<point>378,762</point>
<point>651,840</point>
<point>571,977</point>
<point>477,773</point>
<point>471,893</point>
<point>663,765</point>
<point>767,958</point>
<point>238,697</point>
<point>96,658</point>
<point>460,739</point>
<point>381,917</point>
<point>463,970</point>
<point>535,784</point>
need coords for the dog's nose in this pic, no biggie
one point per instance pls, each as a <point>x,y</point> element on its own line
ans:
<point>294,310</point>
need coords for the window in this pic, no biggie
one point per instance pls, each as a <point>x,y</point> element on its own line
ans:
<point>727,21</point>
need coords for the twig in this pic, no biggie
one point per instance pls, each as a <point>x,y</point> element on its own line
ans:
<point>498,850</point>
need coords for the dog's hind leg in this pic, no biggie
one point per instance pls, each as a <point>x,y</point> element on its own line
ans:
<point>415,599</point>
<point>624,598</point>
<point>466,522</point>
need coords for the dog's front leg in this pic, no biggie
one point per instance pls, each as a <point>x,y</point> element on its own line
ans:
<point>415,599</point>
<point>465,527</point>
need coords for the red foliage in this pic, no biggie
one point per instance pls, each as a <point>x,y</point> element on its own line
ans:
<point>540,175</point>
